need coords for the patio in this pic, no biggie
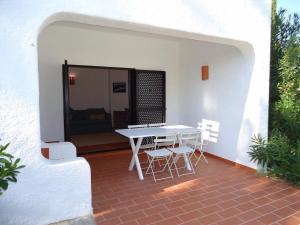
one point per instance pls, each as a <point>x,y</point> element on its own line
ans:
<point>219,194</point>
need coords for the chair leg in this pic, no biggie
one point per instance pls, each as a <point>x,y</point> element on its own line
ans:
<point>152,171</point>
<point>202,153</point>
<point>201,156</point>
<point>150,165</point>
<point>190,162</point>
<point>198,159</point>
<point>168,159</point>
<point>144,163</point>
<point>194,152</point>
<point>163,169</point>
<point>175,160</point>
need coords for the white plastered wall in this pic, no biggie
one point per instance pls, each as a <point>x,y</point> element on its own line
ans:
<point>93,45</point>
<point>222,98</point>
<point>46,192</point>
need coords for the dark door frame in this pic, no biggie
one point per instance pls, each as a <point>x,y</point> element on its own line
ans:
<point>66,100</point>
<point>131,92</point>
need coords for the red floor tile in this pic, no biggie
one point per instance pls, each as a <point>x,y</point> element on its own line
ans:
<point>212,218</point>
<point>218,194</point>
<point>190,215</point>
<point>248,215</point>
<point>229,212</point>
<point>172,212</point>
<point>291,220</point>
<point>265,209</point>
<point>231,221</point>
<point>150,219</point>
<point>269,218</point>
<point>170,221</point>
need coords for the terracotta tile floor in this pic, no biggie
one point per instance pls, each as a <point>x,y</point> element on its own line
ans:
<point>218,194</point>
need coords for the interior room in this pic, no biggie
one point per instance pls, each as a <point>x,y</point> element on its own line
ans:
<point>98,104</point>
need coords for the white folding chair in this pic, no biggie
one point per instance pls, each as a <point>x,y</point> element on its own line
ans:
<point>210,132</point>
<point>161,152</point>
<point>155,125</point>
<point>187,145</point>
<point>145,145</point>
<point>147,142</point>
<point>200,126</point>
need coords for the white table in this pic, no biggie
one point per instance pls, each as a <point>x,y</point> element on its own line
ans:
<point>140,133</point>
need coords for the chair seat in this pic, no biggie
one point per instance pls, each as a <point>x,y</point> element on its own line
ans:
<point>191,143</point>
<point>181,150</point>
<point>159,153</point>
<point>146,146</point>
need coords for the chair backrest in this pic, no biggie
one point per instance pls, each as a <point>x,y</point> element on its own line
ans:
<point>199,126</point>
<point>210,125</point>
<point>210,130</point>
<point>156,124</point>
<point>192,139</point>
<point>166,140</point>
<point>137,126</point>
<point>146,140</point>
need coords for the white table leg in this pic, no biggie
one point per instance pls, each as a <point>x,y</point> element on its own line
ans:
<point>132,162</point>
<point>187,163</point>
<point>135,159</point>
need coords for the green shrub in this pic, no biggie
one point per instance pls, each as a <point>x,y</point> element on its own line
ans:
<point>281,154</point>
<point>259,152</point>
<point>278,155</point>
<point>286,111</point>
<point>9,168</point>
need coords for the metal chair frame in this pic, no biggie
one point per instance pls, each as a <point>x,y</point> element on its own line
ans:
<point>209,134</point>
<point>160,153</point>
<point>187,145</point>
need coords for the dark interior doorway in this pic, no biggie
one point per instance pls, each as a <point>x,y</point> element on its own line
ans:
<point>98,100</point>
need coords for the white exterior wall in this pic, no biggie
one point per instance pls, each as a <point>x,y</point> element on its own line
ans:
<point>222,98</point>
<point>89,45</point>
<point>49,192</point>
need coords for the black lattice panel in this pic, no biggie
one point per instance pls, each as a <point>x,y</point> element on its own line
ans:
<point>150,94</point>
<point>150,91</point>
<point>146,117</point>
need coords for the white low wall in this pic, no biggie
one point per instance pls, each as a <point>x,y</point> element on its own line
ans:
<point>52,191</point>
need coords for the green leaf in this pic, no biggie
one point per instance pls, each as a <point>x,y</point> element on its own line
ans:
<point>9,168</point>
<point>3,184</point>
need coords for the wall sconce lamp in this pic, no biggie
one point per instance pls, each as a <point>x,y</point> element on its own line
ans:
<point>205,72</point>
<point>72,78</point>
